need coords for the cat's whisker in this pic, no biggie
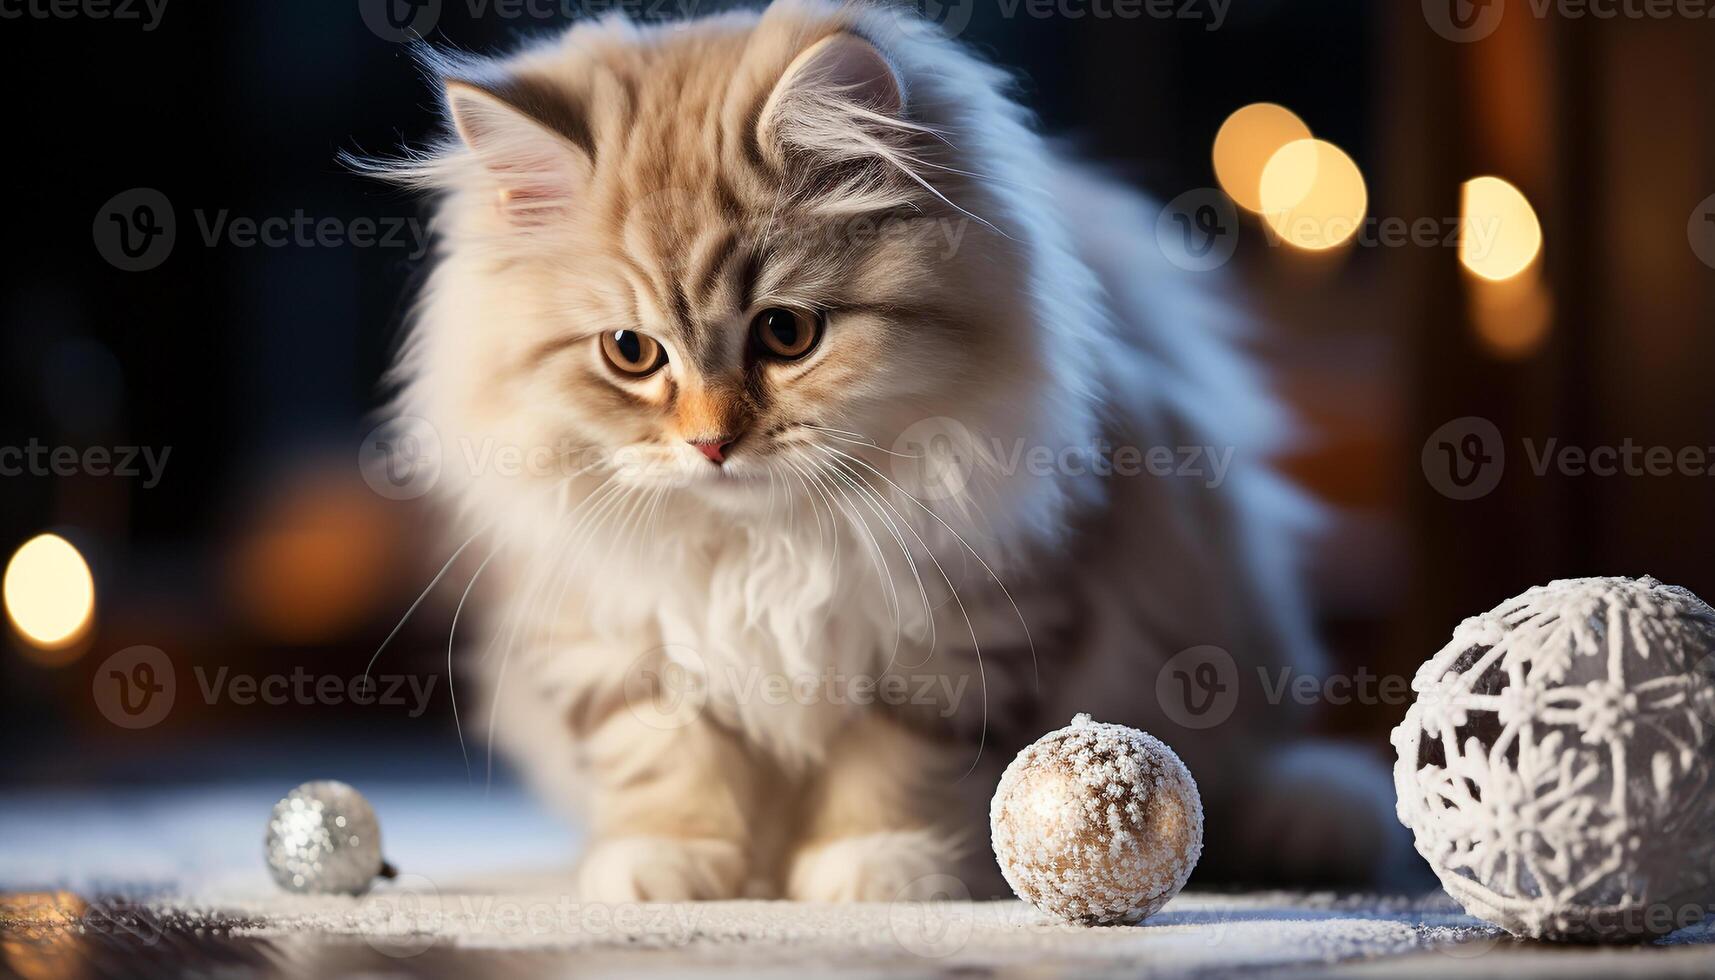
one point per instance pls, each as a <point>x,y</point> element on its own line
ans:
<point>911,563</point>
<point>600,520</point>
<point>788,475</point>
<point>829,428</point>
<point>833,561</point>
<point>856,478</point>
<point>658,508</point>
<point>860,440</point>
<point>550,558</point>
<point>830,498</point>
<point>815,512</point>
<point>419,600</point>
<point>1034,670</point>
<point>922,593</point>
<point>636,539</point>
<point>452,634</point>
<point>522,615</point>
<point>881,570</point>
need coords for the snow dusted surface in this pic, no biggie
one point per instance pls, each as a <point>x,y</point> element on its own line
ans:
<point>524,925</point>
<point>487,891</point>
<point>137,840</point>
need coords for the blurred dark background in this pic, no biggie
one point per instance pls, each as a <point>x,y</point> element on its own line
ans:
<point>255,367</point>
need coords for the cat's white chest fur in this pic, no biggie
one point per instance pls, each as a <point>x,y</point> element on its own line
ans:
<point>786,627</point>
<point>777,632</point>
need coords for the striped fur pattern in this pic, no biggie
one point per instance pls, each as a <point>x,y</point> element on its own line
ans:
<point>799,671</point>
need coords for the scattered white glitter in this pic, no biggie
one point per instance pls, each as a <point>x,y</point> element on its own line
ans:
<point>1097,823</point>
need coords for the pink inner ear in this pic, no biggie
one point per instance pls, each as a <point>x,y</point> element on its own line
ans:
<point>847,67</point>
<point>537,171</point>
<point>854,66</point>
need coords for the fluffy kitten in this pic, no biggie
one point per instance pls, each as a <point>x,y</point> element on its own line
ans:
<point>762,349</point>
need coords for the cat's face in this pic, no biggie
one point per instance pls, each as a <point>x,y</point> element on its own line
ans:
<point>712,348</point>
<point>718,261</point>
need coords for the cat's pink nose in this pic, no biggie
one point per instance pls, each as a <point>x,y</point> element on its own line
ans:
<point>714,449</point>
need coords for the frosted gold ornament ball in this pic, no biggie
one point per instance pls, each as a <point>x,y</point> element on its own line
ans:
<point>1098,824</point>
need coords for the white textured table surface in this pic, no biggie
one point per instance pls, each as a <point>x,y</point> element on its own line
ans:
<point>464,907</point>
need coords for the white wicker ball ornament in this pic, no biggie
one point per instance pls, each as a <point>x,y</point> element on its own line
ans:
<point>1556,767</point>
<point>1098,824</point>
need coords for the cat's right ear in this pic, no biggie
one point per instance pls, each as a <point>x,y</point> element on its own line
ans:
<point>539,163</point>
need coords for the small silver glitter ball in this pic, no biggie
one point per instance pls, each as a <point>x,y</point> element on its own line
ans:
<point>323,837</point>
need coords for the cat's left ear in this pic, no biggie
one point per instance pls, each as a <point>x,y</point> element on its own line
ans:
<point>823,84</point>
<point>540,157</point>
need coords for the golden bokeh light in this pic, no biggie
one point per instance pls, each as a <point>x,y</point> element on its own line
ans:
<point>314,559</point>
<point>1244,144</point>
<point>49,593</point>
<point>1499,233</point>
<point>1313,195</point>
<point>1512,317</point>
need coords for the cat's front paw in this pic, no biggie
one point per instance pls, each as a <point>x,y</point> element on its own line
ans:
<point>1321,813</point>
<point>896,866</point>
<point>661,869</point>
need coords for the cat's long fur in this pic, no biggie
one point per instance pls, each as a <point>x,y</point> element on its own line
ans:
<point>649,606</point>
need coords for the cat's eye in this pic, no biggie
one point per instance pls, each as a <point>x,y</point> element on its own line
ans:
<point>785,335</point>
<point>631,353</point>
